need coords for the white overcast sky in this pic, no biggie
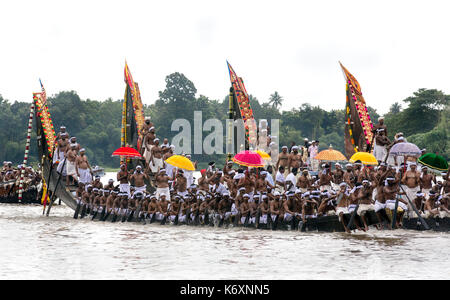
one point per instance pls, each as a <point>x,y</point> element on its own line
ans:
<point>392,47</point>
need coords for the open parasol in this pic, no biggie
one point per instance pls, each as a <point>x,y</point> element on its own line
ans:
<point>365,157</point>
<point>181,162</point>
<point>263,154</point>
<point>127,152</point>
<point>434,161</point>
<point>330,155</point>
<point>248,159</point>
<point>405,149</point>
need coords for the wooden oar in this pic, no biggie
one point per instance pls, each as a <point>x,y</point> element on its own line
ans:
<point>102,214</point>
<point>416,211</point>
<point>246,219</point>
<point>394,213</point>
<point>95,214</point>
<point>106,215</point>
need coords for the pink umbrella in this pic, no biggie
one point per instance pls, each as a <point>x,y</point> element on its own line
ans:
<point>249,159</point>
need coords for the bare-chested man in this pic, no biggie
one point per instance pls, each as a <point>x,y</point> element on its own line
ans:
<point>181,184</point>
<point>295,159</point>
<point>61,148</point>
<point>283,160</point>
<point>123,177</point>
<point>426,181</point>
<point>156,161</point>
<point>84,170</point>
<point>338,174</point>
<point>391,192</point>
<point>162,184</point>
<point>349,176</point>
<point>248,182</point>
<point>325,178</point>
<point>411,179</point>
<point>71,170</point>
<point>148,143</point>
<point>138,179</point>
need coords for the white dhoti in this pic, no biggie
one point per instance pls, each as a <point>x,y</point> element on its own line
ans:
<point>390,204</point>
<point>379,151</point>
<point>287,217</point>
<point>325,188</point>
<point>148,153</point>
<point>363,208</point>
<point>341,210</point>
<point>411,193</point>
<point>125,188</point>
<point>56,157</point>
<point>263,219</point>
<point>156,165</point>
<point>379,206</point>
<point>85,175</point>
<point>351,208</point>
<point>71,169</point>
<point>140,188</point>
<point>426,193</point>
<point>163,191</point>
<point>169,170</point>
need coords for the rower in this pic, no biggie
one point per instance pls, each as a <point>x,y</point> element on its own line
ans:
<point>391,192</point>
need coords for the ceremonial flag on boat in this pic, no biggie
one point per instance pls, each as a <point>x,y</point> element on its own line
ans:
<point>242,98</point>
<point>133,118</point>
<point>358,125</point>
<point>43,117</point>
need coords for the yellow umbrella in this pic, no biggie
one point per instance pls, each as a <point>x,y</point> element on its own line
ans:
<point>263,155</point>
<point>180,162</point>
<point>365,157</point>
<point>330,155</point>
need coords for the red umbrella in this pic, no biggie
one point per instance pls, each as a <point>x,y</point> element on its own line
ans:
<point>127,152</point>
<point>248,159</point>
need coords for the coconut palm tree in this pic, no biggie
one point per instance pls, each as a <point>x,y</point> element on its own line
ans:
<point>275,100</point>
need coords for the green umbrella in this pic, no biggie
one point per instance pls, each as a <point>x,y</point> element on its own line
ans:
<point>434,161</point>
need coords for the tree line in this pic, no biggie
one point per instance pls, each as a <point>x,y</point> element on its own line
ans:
<point>96,124</point>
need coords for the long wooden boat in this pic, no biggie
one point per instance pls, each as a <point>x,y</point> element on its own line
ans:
<point>320,224</point>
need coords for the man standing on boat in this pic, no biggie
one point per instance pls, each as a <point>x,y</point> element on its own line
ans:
<point>156,161</point>
<point>84,170</point>
<point>313,151</point>
<point>283,160</point>
<point>122,178</point>
<point>295,159</point>
<point>411,179</point>
<point>162,185</point>
<point>61,148</point>
<point>148,143</point>
<point>71,170</point>
<point>138,179</point>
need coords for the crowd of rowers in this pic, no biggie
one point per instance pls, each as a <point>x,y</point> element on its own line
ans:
<point>10,178</point>
<point>256,196</point>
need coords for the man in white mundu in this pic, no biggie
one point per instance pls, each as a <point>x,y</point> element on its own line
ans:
<point>156,161</point>
<point>122,177</point>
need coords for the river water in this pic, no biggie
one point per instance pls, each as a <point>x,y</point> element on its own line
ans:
<point>33,246</point>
